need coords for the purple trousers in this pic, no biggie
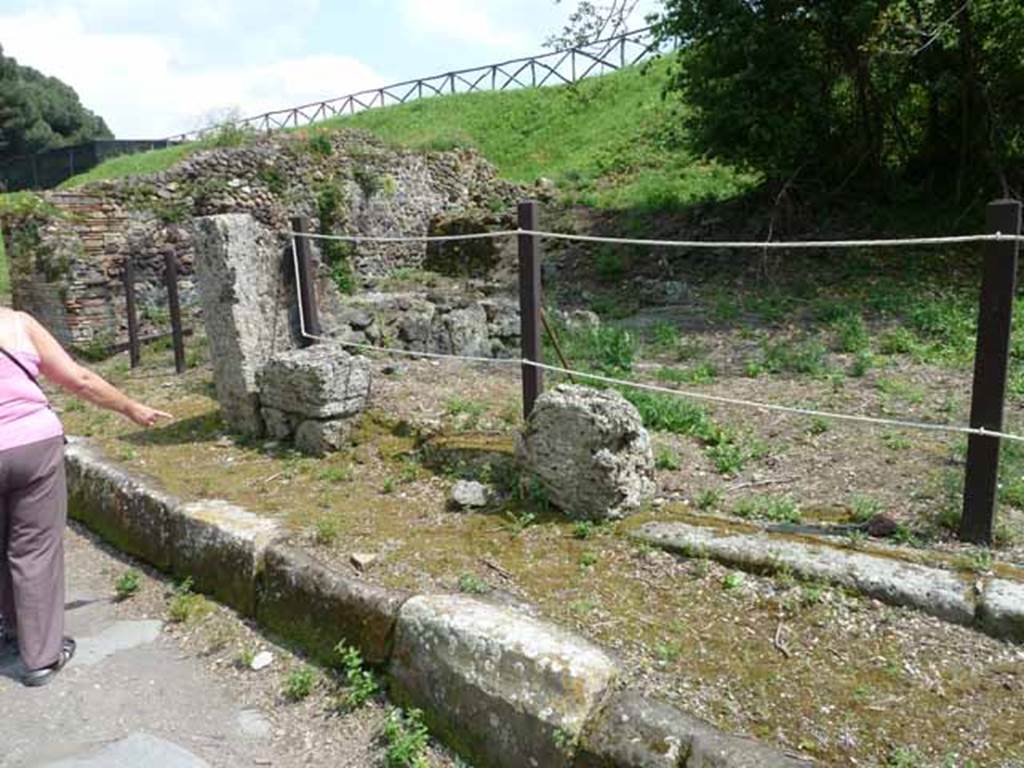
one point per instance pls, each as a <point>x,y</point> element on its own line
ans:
<point>33,513</point>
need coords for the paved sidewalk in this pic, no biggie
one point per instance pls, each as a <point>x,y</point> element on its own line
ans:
<point>141,692</point>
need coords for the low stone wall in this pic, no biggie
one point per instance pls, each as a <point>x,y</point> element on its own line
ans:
<point>467,323</point>
<point>67,249</point>
<point>501,687</point>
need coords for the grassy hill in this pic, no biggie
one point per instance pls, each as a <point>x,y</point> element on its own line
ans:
<point>611,142</point>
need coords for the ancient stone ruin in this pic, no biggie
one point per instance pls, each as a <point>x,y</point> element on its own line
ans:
<point>589,451</point>
<point>309,396</point>
<point>67,249</point>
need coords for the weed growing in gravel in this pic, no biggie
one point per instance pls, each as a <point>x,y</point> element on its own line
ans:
<point>588,560</point>
<point>245,657</point>
<point>812,594</point>
<point>818,426</point>
<point>807,357</point>
<point>565,742</point>
<point>360,683</point>
<point>708,498</point>
<point>898,341</point>
<point>752,369</point>
<point>389,486</point>
<point>863,508</point>
<point>670,651</point>
<point>666,459</point>
<point>851,334</point>
<point>187,606</point>
<point>976,561</point>
<point>582,607</point>
<point>326,531</point>
<point>778,509</point>
<point>664,337</point>
<point>473,584</point>
<point>728,457</point>
<point>702,373</point>
<point>517,522</point>
<point>583,530</point>
<point>337,475</point>
<point>466,412</point>
<point>127,584</point>
<point>300,683</point>
<point>901,390</point>
<point>406,737</point>
<point>862,363</point>
<point>894,441</point>
<point>733,580</point>
<point>904,757</point>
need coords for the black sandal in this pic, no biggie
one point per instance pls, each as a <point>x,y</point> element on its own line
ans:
<point>37,677</point>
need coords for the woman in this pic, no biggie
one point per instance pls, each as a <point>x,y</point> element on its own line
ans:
<point>33,494</point>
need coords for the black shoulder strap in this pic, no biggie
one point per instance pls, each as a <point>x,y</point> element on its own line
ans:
<point>21,365</point>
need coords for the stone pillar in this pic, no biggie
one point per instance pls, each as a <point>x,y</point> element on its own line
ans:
<point>238,264</point>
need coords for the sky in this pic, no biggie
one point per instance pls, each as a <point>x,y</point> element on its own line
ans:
<point>153,69</point>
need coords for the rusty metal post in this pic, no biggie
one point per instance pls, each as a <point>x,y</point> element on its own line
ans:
<point>530,306</point>
<point>174,305</point>
<point>309,316</point>
<point>128,275</point>
<point>991,359</point>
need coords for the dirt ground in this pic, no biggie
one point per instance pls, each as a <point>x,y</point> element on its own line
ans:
<point>848,680</point>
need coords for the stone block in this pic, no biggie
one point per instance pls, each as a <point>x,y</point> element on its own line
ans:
<point>307,602</point>
<point>279,425</point>
<point>504,688</point>
<point>220,546</point>
<point>934,591</point>
<point>321,437</point>
<point>318,382</point>
<point>244,307</point>
<point>590,452</point>
<point>461,331</point>
<point>635,731</point>
<point>1001,610</point>
<point>119,507</point>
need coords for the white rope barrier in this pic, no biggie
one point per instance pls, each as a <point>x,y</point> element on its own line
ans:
<point>686,394</point>
<point>693,244</point>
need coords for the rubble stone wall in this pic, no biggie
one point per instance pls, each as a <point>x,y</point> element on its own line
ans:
<point>68,252</point>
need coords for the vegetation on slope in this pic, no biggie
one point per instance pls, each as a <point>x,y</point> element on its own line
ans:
<point>611,142</point>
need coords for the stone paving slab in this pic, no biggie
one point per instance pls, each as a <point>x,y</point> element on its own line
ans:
<point>139,749</point>
<point>995,606</point>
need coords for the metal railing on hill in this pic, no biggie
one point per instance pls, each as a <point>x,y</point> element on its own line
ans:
<point>562,67</point>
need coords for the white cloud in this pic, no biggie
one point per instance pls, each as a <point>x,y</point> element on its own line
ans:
<point>147,85</point>
<point>464,21</point>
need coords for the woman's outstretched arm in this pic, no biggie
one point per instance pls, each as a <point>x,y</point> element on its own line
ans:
<point>59,367</point>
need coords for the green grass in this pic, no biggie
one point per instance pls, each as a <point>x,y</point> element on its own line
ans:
<point>611,141</point>
<point>139,164</point>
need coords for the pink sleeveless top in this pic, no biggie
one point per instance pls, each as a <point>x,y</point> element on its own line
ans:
<point>25,414</point>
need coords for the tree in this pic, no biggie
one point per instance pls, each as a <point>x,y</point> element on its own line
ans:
<point>857,93</point>
<point>39,112</point>
<point>591,22</point>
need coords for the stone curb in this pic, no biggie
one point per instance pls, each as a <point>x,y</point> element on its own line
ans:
<point>501,687</point>
<point>994,606</point>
